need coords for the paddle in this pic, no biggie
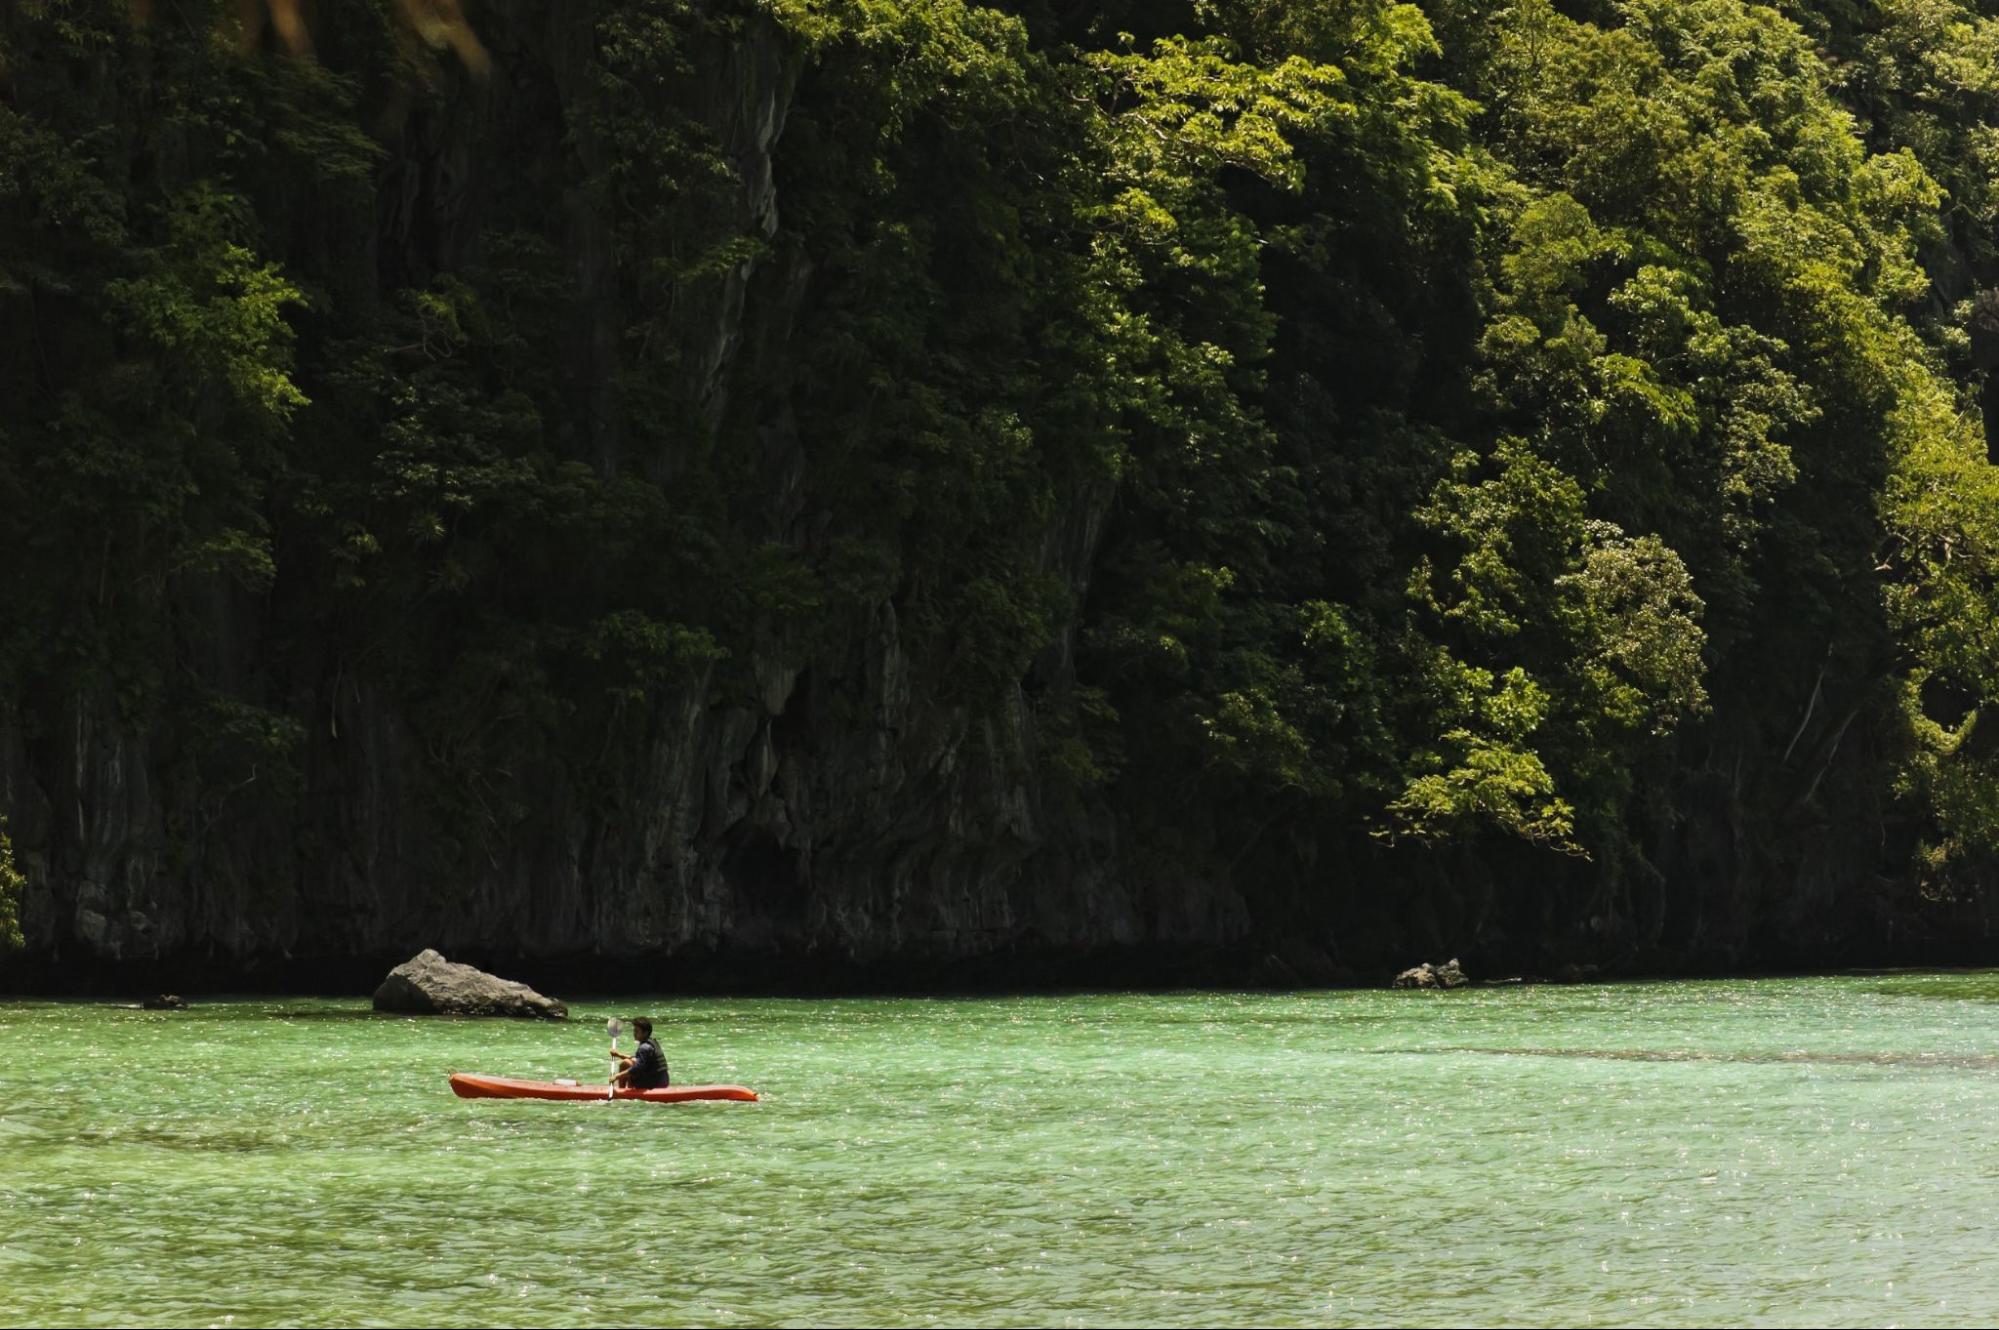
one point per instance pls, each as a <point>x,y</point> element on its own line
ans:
<point>612,1027</point>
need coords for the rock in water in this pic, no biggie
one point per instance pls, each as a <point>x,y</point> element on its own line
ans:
<point>1448,975</point>
<point>165,1002</point>
<point>429,985</point>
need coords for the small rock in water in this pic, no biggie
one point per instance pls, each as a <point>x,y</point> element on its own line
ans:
<point>427,985</point>
<point>1448,975</point>
<point>165,1002</point>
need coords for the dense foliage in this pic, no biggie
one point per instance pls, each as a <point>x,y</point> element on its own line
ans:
<point>11,882</point>
<point>1538,448</point>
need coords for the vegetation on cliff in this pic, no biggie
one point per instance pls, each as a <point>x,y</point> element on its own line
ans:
<point>1540,447</point>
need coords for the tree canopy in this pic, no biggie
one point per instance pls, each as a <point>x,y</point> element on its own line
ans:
<point>1363,441</point>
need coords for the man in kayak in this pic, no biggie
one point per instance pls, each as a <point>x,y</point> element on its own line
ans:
<point>645,1069</point>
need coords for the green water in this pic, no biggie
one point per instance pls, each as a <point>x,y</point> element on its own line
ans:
<point>1773,1152</point>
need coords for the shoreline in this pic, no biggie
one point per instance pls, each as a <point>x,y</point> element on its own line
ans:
<point>983,978</point>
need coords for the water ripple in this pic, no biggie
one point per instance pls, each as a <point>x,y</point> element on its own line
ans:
<point>1763,1153</point>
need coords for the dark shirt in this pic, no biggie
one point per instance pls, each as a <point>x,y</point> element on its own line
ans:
<point>648,1066</point>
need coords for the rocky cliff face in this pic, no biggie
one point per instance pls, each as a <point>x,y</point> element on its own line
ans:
<point>599,287</point>
<point>839,818</point>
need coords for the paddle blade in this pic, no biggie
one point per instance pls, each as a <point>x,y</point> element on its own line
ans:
<point>614,1027</point>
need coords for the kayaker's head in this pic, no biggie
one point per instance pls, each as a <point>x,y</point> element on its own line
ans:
<point>642,1028</point>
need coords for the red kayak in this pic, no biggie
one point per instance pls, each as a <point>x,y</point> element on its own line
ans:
<point>467,1086</point>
